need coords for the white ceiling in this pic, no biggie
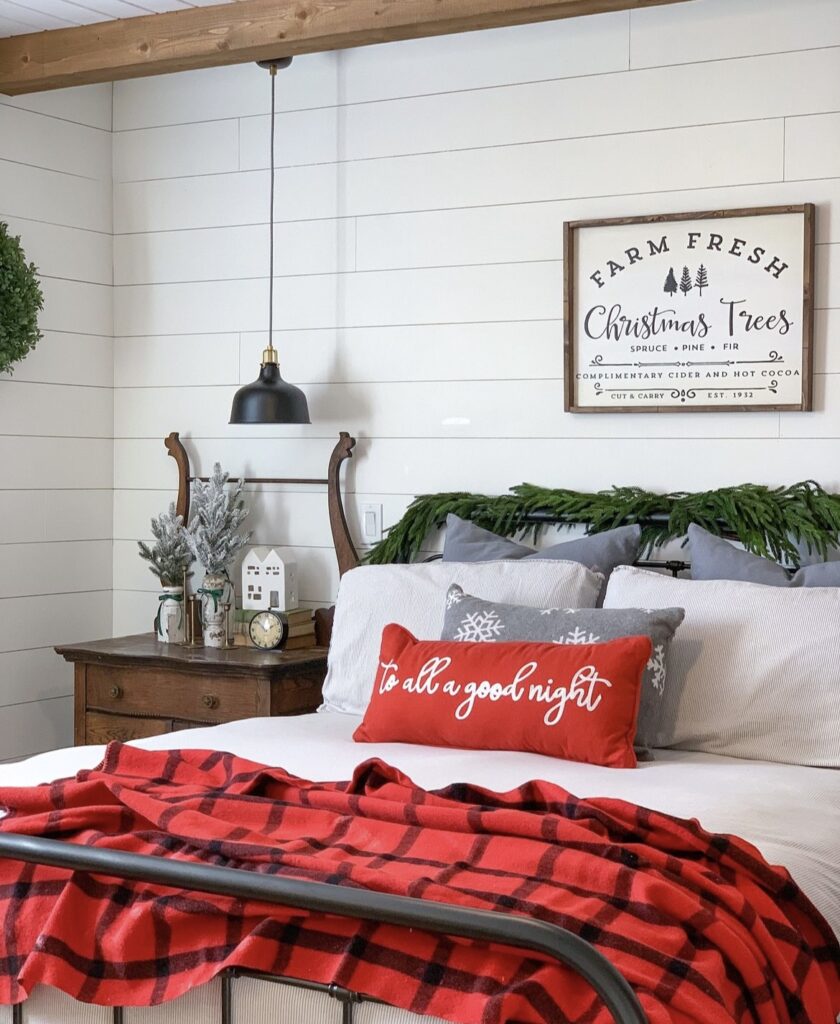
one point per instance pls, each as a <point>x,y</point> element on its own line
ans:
<point>20,16</point>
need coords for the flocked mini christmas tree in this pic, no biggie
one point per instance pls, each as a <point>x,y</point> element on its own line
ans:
<point>217,515</point>
<point>214,539</point>
<point>169,557</point>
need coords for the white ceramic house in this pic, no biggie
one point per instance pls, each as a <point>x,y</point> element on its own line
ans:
<point>269,580</point>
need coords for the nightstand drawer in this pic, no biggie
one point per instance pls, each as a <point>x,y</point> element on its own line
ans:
<point>134,686</point>
<point>101,728</point>
<point>195,697</point>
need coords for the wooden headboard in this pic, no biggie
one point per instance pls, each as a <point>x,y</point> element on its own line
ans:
<point>345,549</point>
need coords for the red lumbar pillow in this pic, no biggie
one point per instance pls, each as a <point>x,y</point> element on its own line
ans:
<point>576,701</point>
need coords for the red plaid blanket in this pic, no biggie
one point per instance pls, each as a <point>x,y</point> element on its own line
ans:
<point>702,927</point>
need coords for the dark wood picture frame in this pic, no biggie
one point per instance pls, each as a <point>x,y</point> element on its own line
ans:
<point>570,228</point>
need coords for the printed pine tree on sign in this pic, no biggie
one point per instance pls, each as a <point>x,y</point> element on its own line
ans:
<point>701,281</point>
<point>670,283</point>
<point>685,282</point>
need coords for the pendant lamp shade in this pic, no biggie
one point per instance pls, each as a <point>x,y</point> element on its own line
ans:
<point>270,399</point>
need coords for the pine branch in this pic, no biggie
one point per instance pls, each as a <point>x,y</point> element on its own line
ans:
<point>767,521</point>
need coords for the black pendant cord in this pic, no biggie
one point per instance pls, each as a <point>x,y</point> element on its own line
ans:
<point>271,218</point>
<point>270,399</point>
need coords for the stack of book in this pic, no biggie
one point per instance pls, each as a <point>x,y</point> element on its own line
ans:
<point>301,627</point>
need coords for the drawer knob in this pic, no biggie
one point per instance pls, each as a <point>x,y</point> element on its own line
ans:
<point>116,692</point>
<point>209,701</point>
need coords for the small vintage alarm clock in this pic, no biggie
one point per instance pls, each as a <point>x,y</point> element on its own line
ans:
<point>268,630</point>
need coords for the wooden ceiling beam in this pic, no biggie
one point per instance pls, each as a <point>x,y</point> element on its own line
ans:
<point>251,30</point>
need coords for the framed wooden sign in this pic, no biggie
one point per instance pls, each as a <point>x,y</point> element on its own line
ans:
<point>706,312</point>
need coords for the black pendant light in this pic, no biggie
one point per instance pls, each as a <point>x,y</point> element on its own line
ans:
<point>270,399</point>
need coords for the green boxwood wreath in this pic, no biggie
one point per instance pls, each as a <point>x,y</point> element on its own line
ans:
<point>21,300</point>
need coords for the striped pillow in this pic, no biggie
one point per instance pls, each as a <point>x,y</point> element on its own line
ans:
<point>753,670</point>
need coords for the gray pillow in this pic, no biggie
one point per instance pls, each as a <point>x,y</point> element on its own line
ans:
<point>713,558</point>
<point>601,552</point>
<point>470,618</point>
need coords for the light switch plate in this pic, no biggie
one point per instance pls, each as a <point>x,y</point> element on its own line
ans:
<point>372,523</point>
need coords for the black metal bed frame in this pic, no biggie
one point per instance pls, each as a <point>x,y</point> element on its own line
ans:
<point>439,918</point>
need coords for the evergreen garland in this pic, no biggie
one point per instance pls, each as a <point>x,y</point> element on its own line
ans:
<point>767,521</point>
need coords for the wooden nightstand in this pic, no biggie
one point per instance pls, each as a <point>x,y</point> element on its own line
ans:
<point>135,686</point>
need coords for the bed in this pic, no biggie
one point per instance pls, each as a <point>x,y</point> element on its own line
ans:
<point>790,812</point>
<point>761,802</point>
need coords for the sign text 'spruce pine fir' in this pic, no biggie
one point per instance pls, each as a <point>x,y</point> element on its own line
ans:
<point>697,311</point>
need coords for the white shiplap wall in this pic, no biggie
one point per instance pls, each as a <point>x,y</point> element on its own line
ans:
<point>56,411</point>
<point>422,190</point>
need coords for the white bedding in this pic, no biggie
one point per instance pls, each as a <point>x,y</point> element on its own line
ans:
<point>791,813</point>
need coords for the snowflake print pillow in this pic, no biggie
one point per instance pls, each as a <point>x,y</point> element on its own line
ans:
<point>470,618</point>
<point>576,701</point>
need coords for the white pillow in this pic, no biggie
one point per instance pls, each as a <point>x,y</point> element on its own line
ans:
<point>753,671</point>
<point>415,595</point>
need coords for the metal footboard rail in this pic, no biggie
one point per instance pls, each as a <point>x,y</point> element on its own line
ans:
<point>404,911</point>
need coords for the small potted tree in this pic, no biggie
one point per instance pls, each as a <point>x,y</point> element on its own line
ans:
<point>169,558</point>
<point>214,538</point>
